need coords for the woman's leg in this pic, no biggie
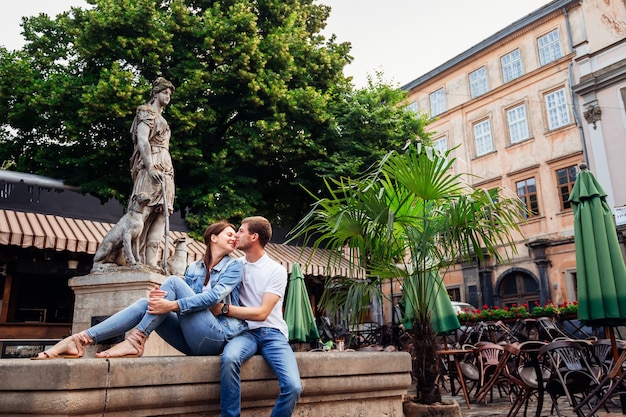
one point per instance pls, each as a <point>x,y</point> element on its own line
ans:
<point>72,347</point>
<point>116,325</point>
<point>203,332</point>
<point>133,346</point>
<point>120,322</point>
<point>171,332</point>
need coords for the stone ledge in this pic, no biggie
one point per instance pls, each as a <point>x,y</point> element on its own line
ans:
<point>335,384</point>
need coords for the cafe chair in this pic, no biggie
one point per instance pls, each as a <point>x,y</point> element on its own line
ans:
<point>612,385</point>
<point>529,376</point>
<point>470,371</point>
<point>488,355</point>
<point>571,374</point>
<point>448,372</point>
<point>501,375</point>
<point>550,329</point>
<point>602,351</point>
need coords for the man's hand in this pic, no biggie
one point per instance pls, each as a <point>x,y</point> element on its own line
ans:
<point>217,309</point>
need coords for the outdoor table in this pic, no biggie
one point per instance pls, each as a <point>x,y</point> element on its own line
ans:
<point>456,353</point>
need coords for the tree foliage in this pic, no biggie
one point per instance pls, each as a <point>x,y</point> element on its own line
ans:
<point>407,219</point>
<point>261,105</point>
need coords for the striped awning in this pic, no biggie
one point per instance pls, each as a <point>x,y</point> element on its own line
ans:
<point>46,231</point>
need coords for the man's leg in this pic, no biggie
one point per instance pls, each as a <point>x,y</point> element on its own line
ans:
<point>237,351</point>
<point>278,354</point>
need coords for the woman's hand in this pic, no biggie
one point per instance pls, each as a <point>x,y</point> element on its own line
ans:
<point>158,304</point>
<point>156,292</point>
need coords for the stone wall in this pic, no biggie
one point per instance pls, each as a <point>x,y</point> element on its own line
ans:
<point>335,384</point>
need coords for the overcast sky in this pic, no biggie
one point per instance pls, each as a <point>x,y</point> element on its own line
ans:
<point>402,38</point>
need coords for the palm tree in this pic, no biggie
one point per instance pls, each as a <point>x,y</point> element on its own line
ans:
<point>408,218</point>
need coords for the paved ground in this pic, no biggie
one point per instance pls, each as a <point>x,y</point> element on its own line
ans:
<point>501,406</point>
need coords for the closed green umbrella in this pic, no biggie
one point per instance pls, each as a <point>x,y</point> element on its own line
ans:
<point>443,317</point>
<point>298,311</point>
<point>600,269</point>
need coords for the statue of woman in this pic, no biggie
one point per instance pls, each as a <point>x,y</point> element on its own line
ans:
<point>151,168</point>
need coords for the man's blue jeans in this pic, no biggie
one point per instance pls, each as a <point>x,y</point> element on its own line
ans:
<point>198,333</point>
<point>275,349</point>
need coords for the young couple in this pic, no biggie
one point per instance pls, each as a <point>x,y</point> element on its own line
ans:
<point>210,313</point>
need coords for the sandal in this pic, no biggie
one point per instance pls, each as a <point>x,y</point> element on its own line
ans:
<point>135,339</point>
<point>75,342</point>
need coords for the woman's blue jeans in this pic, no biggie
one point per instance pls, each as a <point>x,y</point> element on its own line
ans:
<point>196,333</point>
<point>275,349</point>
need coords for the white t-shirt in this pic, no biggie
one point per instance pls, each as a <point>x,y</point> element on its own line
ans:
<point>264,275</point>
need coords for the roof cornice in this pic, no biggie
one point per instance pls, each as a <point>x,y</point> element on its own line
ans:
<point>555,6</point>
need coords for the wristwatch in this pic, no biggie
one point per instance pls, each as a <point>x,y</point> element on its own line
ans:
<point>225,309</point>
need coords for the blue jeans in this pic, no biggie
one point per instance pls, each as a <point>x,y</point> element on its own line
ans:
<point>275,349</point>
<point>197,333</point>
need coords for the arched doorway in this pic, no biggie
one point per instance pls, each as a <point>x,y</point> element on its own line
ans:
<point>518,286</point>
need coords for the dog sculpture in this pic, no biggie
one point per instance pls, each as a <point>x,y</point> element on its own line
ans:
<point>123,238</point>
<point>177,262</point>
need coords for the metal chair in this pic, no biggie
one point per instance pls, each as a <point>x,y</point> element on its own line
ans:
<point>602,351</point>
<point>612,385</point>
<point>501,374</point>
<point>488,355</point>
<point>531,375</point>
<point>571,373</point>
<point>549,330</point>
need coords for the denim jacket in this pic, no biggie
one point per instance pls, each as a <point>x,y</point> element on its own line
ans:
<point>224,280</point>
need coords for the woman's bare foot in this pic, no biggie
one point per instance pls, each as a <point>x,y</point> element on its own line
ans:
<point>131,347</point>
<point>72,347</point>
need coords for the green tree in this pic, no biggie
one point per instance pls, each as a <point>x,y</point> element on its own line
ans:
<point>408,218</point>
<point>253,79</point>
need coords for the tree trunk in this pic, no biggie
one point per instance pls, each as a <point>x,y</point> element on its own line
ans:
<point>425,362</point>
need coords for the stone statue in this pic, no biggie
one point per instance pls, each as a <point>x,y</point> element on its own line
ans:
<point>120,245</point>
<point>152,171</point>
<point>177,262</point>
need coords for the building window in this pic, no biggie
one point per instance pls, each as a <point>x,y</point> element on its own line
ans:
<point>412,107</point>
<point>556,108</point>
<point>518,123</point>
<point>549,47</point>
<point>441,144</point>
<point>527,192</point>
<point>454,294</point>
<point>482,136</point>
<point>511,66</point>
<point>478,82</point>
<point>565,179</point>
<point>437,102</point>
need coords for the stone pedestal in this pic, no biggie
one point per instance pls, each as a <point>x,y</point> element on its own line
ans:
<point>104,294</point>
<point>346,384</point>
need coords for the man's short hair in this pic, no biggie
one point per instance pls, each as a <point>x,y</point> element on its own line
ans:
<point>261,226</point>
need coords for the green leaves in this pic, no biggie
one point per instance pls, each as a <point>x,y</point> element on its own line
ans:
<point>407,218</point>
<point>261,112</point>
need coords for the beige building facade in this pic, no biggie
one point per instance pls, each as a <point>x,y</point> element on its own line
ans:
<point>518,111</point>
